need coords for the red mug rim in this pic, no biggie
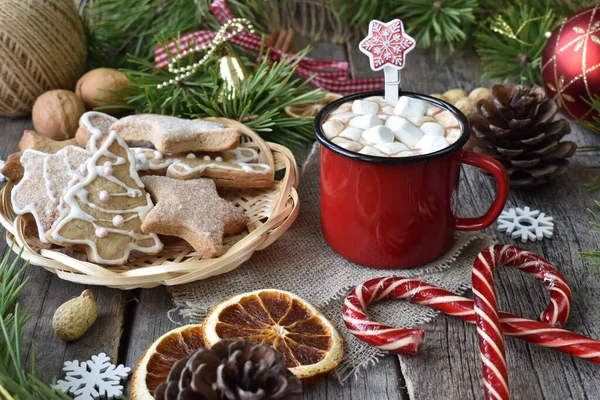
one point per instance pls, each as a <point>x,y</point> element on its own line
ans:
<point>462,119</point>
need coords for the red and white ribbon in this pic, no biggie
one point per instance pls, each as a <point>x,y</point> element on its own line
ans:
<point>330,75</point>
<point>409,341</point>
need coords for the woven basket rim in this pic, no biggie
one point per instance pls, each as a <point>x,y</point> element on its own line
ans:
<point>187,268</point>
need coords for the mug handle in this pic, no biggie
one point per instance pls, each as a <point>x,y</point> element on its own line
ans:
<point>492,166</point>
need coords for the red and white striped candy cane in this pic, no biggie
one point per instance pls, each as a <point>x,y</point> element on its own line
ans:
<point>408,341</point>
<point>491,341</point>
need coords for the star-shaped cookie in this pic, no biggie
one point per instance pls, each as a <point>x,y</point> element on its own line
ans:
<point>13,169</point>
<point>45,180</point>
<point>193,211</point>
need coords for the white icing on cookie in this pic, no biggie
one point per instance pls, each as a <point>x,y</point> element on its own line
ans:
<point>94,130</point>
<point>77,195</point>
<point>46,178</point>
<point>244,159</point>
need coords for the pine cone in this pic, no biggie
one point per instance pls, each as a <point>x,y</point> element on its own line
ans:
<point>516,127</point>
<point>233,370</point>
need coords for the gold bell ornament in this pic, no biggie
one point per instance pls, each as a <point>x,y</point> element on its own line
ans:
<point>233,72</point>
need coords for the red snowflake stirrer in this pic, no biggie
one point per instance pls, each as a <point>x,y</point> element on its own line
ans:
<point>386,45</point>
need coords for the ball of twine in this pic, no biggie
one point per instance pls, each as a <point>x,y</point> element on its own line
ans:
<point>42,47</point>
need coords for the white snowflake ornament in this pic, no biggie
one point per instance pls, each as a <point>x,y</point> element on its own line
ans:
<point>526,223</point>
<point>91,380</point>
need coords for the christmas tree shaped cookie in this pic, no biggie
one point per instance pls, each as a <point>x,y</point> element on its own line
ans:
<point>105,210</point>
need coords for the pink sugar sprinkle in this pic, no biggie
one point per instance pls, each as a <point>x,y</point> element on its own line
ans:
<point>101,232</point>
<point>104,196</point>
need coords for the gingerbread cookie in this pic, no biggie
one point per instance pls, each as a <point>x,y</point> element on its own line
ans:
<point>177,135</point>
<point>231,168</point>
<point>46,178</point>
<point>13,169</point>
<point>35,141</point>
<point>193,211</point>
<point>93,124</point>
<point>106,208</point>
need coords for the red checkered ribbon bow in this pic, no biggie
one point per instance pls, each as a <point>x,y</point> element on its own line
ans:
<point>330,75</point>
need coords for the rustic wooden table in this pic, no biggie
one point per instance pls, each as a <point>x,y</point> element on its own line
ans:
<point>448,366</point>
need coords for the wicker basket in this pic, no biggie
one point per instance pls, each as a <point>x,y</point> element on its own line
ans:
<point>271,212</point>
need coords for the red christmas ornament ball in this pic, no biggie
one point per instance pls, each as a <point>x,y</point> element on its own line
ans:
<point>571,64</point>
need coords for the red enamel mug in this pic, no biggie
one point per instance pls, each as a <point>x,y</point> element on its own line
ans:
<point>390,212</point>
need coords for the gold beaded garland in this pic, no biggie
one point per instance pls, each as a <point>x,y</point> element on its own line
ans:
<point>222,36</point>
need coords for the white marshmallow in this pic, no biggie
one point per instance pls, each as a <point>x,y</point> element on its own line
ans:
<point>364,107</point>
<point>378,134</point>
<point>410,107</point>
<point>404,130</point>
<point>343,117</point>
<point>418,121</point>
<point>332,127</point>
<point>407,153</point>
<point>344,108</point>
<point>453,135</point>
<point>351,133</point>
<point>371,151</point>
<point>447,119</point>
<point>365,121</point>
<point>383,117</point>
<point>347,144</point>
<point>391,148</point>
<point>389,110</point>
<point>433,128</point>
<point>431,143</point>
<point>432,110</point>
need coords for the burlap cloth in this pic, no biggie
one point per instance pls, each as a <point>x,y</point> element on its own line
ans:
<point>302,263</point>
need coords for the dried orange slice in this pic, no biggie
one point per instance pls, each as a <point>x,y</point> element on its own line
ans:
<point>154,366</point>
<point>310,109</point>
<point>309,342</point>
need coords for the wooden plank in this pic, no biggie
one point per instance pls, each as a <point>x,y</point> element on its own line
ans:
<point>449,365</point>
<point>45,292</point>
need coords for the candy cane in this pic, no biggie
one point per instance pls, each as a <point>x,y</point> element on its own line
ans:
<point>491,341</point>
<point>408,341</point>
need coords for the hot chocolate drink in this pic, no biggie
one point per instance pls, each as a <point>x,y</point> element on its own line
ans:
<point>372,127</point>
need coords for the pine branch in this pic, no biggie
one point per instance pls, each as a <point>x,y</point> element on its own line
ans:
<point>594,256</point>
<point>15,382</point>
<point>116,28</point>
<point>515,52</point>
<point>443,23</point>
<point>259,102</point>
<point>262,14</point>
<point>359,13</point>
<point>595,104</point>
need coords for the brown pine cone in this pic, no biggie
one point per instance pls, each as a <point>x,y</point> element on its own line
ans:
<point>516,127</point>
<point>232,370</point>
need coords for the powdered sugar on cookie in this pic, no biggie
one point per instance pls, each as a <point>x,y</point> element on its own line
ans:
<point>45,180</point>
<point>177,135</point>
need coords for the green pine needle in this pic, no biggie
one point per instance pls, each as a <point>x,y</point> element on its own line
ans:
<point>594,256</point>
<point>259,102</point>
<point>15,382</point>
<point>442,23</point>
<point>595,104</point>
<point>116,28</point>
<point>515,58</point>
